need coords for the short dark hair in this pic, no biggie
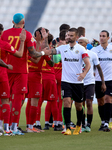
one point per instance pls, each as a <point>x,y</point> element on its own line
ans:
<point>1,27</point>
<point>106,32</point>
<point>50,38</point>
<point>64,27</point>
<point>39,29</point>
<point>81,31</point>
<point>73,30</point>
<point>62,35</point>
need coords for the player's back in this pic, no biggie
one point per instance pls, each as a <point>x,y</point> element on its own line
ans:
<point>12,37</point>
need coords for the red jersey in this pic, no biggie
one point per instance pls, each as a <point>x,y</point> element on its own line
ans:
<point>12,37</point>
<point>58,69</point>
<point>47,71</point>
<point>5,48</point>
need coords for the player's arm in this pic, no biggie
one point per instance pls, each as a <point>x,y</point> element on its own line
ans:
<point>49,61</point>
<point>51,51</point>
<point>87,65</point>
<point>3,64</point>
<point>86,69</point>
<point>34,53</point>
<point>103,87</point>
<point>22,37</point>
<point>35,60</point>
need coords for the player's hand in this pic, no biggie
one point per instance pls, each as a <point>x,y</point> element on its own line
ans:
<point>103,87</point>
<point>47,51</point>
<point>38,36</point>
<point>81,76</point>
<point>22,35</point>
<point>10,67</point>
<point>44,33</point>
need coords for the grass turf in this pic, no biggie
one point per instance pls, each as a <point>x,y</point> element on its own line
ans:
<point>54,140</point>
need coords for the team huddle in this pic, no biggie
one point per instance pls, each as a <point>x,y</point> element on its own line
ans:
<point>59,71</point>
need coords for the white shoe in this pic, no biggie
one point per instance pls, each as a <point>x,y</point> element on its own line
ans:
<point>64,130</point>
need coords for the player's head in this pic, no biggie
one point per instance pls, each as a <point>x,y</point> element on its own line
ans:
<point>80,32</point>
<point>62,37</point>
<point>1,29</point>
<point>72,35</point>
<point>50,38</point>
<point>104,37</point>
<point>18,19</point>
<point>39,30</point>
<point>83,41</point>
<point>64,27</point>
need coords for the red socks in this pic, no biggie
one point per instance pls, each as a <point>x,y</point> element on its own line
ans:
<point>6,113</point>
<point>28,111</point>
<point>32,114</point>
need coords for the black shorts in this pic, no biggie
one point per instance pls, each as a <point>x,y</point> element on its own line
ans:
<point>89,91</point>
<point>99,93</point>
<point>73,90</point>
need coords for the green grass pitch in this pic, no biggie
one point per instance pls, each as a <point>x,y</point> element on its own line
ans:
<point>54,140</point>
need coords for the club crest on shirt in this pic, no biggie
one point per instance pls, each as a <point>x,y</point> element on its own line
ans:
<point>110,51</point>
<point>65,51</point>
<point>12,48</point>
<point>32,40</point>
<point>76,51</point>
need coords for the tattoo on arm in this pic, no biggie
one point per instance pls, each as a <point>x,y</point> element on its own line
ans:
<point>51,63</point>
<point>53,51</point>
<point>33,52</point>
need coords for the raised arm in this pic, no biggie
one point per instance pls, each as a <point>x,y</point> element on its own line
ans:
<point>22,37</point>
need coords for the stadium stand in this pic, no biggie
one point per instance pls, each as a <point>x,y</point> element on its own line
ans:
<point>94,15</point>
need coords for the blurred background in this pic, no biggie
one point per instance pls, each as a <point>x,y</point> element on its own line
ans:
<point>94,15</point>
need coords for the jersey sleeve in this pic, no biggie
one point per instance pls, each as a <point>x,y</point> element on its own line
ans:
<point>84,53</point>
<point>96,60</point>
<point>9,48</point>
<point>29,39</point>
<point>58,49</point>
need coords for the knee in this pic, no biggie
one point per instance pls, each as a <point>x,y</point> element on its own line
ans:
<point>89,103</point>
<point>78,106</point>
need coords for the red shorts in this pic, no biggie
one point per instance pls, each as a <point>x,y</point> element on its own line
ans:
<point>34,89</point>
<point>18,83</point>
<point>4,90</point>
<point>49,90</point>
<point>34,85</point>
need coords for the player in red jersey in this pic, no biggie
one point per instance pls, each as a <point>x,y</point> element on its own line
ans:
<point>18,76</point>
<point>6,48</point>
<point>34,86</point>
<point>58,72</point>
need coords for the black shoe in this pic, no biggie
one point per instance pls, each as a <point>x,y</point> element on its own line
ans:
<point>60,127</point>
<point>72,125</point>
<point>50,124</point>
<point>101,127</point>
<point>56,128</point>
<point>38,127</point>
<point>46,127</point>
<point>21,130</point>
<point>106,129</point>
